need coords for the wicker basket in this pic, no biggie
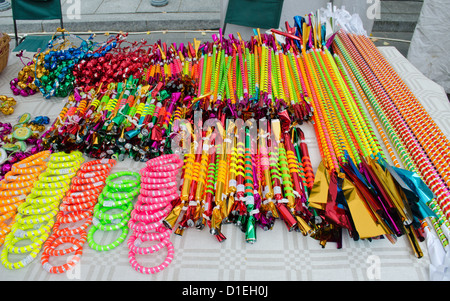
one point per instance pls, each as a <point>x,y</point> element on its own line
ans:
<point>4,51</point>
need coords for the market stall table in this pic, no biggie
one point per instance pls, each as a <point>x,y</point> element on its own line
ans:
<point>278,255</point>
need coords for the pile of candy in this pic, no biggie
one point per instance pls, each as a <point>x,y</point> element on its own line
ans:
<point>219,127</point>
<point>21,140</point>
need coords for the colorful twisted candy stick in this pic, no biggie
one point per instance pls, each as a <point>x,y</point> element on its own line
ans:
<point>321,132</point>
<point>220,197</point>
<point>250,221</point>
<point>179,209</point>
<point>283,211</point>
<point>301,170</point>
<point>201,184</point>
<point>267,189</point>
<point>409,163</point>
<point>365,84</point>
<point>232,160</point>
<point>210,193</point>
<point>436,148</point>
<point>188,219</point>
<point>239,208</point>
<point>259,213</point>
<point>294,169</point>
<point>306,160</point>
<point>409,142</point>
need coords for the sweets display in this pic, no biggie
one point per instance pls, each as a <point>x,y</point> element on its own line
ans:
<point>218,126</point>
<point>76,207</point>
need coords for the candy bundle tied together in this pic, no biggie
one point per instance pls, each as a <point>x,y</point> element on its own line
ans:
<point>75,214</point>
<point>20,140</point>
<point>113,210</point>
<point>24,84</point>
<point>157,195</point>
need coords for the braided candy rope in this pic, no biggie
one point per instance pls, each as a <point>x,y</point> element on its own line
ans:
<point>158,192</point>
<point>16,185</point>
<point>36,216</point>
<point>115,196</point>
<point>77,206</point>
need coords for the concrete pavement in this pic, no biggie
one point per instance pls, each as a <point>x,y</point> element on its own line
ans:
<point>124,15</point>
<point>192,18</point>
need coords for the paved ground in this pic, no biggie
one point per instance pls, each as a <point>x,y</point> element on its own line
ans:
<point>129,15</point>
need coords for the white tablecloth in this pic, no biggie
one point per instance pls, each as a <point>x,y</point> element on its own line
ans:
<point>278,255</point>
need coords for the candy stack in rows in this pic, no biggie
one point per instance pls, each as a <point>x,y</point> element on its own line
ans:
<point>75,214</point>
<point>112,212</point>
<point>157,194</point>
<point>16,185</point>
<point>36,216</point>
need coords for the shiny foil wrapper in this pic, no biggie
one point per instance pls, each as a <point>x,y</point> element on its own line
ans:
<point>173,216</point>
<point>319,192</point>
<point>303,226</point>
<point>392,189</point>
<point>216,222</point>
<point>287,217</point>
<point>250,233</point>
<point>334,210</point>
<point>365,224</point>
<point>268,189</point>
<point>415,190</point>
<point>185,190</point>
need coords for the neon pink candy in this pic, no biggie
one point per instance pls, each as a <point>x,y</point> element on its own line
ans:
<point>154,200</point>
<point>158,191</point>
<point>168,185</point>
<point>140,206</point>
<point>142,227</point>
<point>156,180</point>
<point>155,269</point>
